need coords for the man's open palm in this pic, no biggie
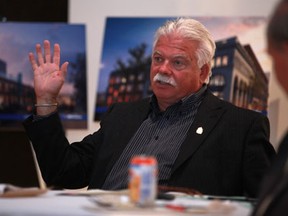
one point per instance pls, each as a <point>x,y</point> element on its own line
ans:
<point>48,76</point>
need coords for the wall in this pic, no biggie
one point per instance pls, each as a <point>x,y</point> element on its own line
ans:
<point>93,14</point>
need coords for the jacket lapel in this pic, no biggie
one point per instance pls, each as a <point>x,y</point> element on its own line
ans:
<point>208,114</point>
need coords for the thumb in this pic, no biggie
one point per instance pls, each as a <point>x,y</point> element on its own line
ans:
<point>64,68</point>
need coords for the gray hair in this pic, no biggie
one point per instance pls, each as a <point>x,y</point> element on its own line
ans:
<point>195,31</point>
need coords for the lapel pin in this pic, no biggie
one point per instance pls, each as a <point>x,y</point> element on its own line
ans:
<point>199,130</point>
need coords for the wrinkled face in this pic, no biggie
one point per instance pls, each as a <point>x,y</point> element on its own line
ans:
<point>174,70</point>
<point>279,55</point>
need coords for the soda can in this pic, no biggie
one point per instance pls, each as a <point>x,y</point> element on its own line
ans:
<point>143,172</point>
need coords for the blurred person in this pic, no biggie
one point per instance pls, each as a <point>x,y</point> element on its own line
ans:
<point>200,141</point>
<point>273,196</point>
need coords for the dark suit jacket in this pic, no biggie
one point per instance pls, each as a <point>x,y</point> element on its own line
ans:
<point>228,158</point>
<point>273,196</point>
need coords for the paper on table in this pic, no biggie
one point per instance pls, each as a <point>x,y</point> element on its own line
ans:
<point>93,192</point>
<point>191,205</point>
<point>9,191</point>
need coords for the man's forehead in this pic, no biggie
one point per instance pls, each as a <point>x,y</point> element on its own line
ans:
<point>175,55</point>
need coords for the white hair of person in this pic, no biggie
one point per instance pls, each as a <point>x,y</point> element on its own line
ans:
<point>193,30</point>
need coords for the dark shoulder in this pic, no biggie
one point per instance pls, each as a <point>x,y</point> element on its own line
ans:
<point>212,100</point>
<point>283,146</point>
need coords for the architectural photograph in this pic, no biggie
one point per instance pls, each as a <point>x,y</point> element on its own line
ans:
<point>239,72</point>
<point>17,99</point>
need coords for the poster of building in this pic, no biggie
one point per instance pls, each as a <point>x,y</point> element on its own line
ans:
<point>17,99</point>
<point>239,73</point>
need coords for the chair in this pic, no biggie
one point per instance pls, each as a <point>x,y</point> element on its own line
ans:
<point>18,164</point>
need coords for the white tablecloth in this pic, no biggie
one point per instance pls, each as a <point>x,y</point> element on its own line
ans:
<point>56,204</point>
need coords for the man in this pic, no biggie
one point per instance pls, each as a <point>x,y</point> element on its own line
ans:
<point>274,191</point>
<point>200,141</point>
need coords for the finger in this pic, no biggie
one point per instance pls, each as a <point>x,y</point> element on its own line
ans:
<point>39,54</point>
<point>47,52</point>
<point>56,56</point>
<point>64,68</point>
<point>32,61</point>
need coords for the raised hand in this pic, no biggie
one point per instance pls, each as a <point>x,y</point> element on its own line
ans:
<point>49,77</point>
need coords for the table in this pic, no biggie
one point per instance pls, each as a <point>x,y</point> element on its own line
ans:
<point>57,203</point>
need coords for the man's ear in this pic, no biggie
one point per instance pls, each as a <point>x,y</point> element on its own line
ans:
<point>204,72</point>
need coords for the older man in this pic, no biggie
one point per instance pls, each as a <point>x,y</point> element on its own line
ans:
<point>200,141</point>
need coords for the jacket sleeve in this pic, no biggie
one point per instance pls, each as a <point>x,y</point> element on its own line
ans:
<point>61,164</point>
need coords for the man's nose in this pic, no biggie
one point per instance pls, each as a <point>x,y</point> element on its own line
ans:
<point>165,67</point>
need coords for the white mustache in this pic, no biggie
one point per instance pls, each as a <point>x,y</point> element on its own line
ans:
<point>165,79</point>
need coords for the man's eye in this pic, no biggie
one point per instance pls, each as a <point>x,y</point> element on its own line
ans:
<point>178,64</point>
<point>157,59</point>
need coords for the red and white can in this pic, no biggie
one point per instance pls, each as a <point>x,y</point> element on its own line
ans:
<point>143,179</point>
